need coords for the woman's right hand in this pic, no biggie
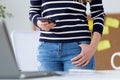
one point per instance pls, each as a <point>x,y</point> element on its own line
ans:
<point>46,26</point>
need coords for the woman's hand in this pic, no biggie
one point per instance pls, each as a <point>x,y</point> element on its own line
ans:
<point>87,51</point>
<point>85,56</point>
<point>46,26</point>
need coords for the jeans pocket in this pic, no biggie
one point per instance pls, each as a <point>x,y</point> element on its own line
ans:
<point>83,42</point>
<point>41,44</point>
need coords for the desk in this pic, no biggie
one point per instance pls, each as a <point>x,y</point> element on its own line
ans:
<point>86,75</point>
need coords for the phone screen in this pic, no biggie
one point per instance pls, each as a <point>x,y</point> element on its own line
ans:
<point>47,20</point>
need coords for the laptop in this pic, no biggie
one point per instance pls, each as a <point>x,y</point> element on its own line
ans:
<point>9,68</point>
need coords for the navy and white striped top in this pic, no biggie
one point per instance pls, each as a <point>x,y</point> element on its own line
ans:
<point>70,17</point>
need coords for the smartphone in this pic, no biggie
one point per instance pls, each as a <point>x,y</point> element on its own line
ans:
<point>47,20</point>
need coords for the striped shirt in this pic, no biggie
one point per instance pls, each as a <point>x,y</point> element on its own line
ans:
<point>70,17</point>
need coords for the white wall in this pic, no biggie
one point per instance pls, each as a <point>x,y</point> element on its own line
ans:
<point>111,6</point>
<point>20,10</point>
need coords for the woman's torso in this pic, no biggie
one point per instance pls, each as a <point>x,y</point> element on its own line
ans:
<point>71,21</point>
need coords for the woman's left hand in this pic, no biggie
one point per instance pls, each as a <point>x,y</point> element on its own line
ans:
<point>85,56</point>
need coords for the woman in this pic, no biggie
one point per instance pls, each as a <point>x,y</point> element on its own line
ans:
<point>65,40</point>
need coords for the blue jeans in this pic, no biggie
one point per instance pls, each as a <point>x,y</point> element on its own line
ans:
<point>57,56</point>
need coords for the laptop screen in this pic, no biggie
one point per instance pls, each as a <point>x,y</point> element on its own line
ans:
<point>8,66</point>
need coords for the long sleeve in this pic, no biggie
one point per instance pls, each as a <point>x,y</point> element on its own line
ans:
<point>97,12</point>
<point>35,11</point>
<point>70,17</point>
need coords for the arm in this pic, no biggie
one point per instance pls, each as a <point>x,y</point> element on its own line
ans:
<point>97,14</point>
<point>35,15</point>
<point>35,11</point>
<point>88,51</point>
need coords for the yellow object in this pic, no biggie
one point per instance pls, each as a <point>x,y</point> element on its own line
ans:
<point>90,24</point>
<point>106,30</point>
<point>112,22</point>
<point>103,45</point>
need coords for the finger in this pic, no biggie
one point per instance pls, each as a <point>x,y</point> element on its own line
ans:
<point>44,23</point>
<point>83,59</point>
<point>52,25</point>
<point>77,57</point>
<point>48,27</point>
<point>85,63</point>
<point>81,62</point>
